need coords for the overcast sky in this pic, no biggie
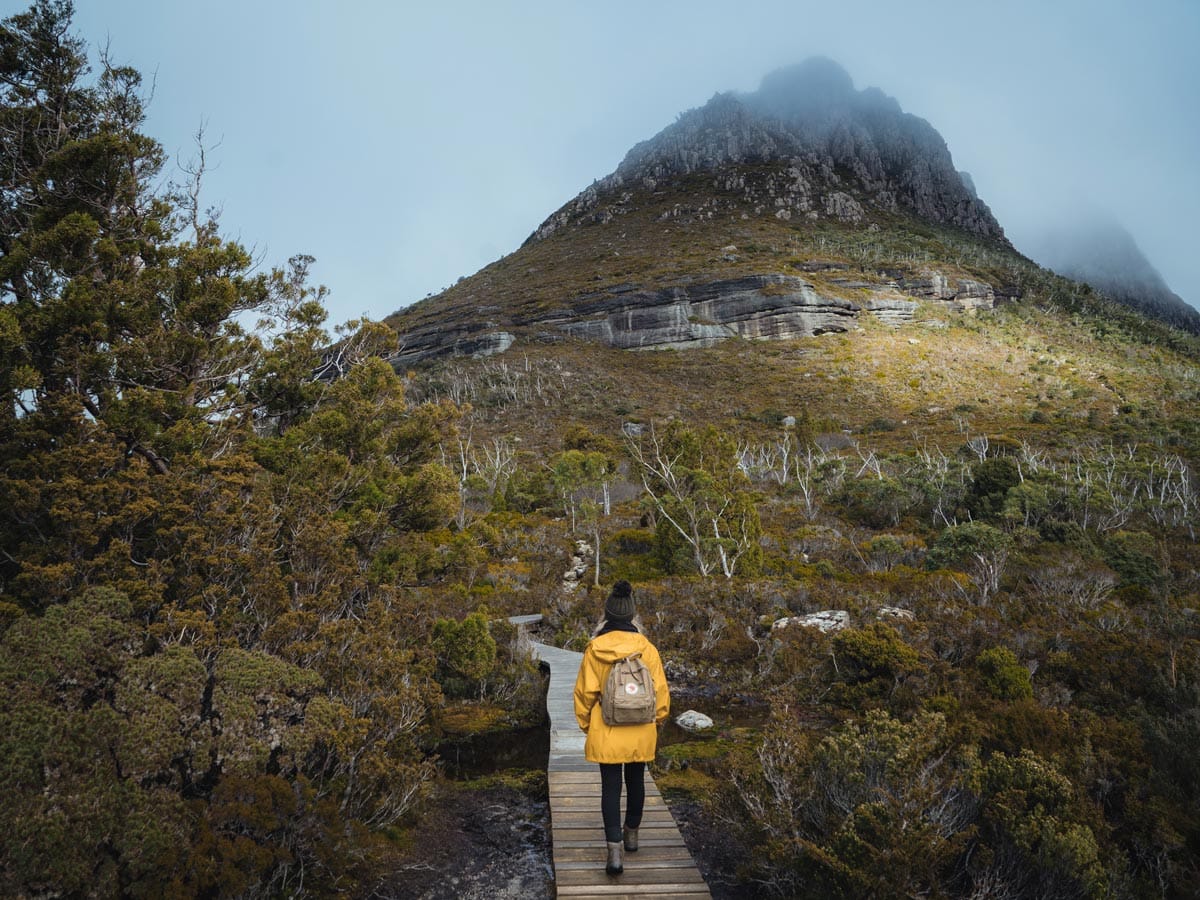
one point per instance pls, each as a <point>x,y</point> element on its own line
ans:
<point>407,144</point>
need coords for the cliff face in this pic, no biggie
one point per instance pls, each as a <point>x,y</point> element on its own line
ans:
<point>830,151</point>
<point>754,307</point>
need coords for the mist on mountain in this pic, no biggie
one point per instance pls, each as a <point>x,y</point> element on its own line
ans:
<point>1094,248</point>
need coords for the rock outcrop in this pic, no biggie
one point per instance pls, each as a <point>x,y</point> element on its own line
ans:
<point>827,620</point>
<point>755,307</point>
<point>762,306</point>
<point>581,561</point>
<point>475,339</point>
<point>693,721</point>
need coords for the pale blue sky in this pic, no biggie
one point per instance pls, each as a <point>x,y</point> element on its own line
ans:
<point>405,145</point>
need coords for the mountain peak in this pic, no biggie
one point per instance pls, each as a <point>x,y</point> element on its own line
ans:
<point>849,155</point>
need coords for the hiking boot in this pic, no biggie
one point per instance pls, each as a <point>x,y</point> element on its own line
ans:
<point>631,843</point>
<point>615,865</point>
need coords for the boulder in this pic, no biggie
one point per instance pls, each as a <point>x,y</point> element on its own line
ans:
<point>826,620</point>
<point>895,612</point>
<point>693,721</point>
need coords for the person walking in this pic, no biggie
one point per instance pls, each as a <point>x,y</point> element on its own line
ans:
<point>622,751</point>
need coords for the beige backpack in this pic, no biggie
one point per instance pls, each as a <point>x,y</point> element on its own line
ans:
<point>628,695</point>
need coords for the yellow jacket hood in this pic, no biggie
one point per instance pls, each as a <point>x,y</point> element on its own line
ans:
<point>614,645</point>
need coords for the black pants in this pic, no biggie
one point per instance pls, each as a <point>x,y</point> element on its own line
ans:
<point>610,797</point>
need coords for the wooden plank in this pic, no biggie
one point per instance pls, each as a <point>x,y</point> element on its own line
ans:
<point>591,864</point>
<point>592,805</point>
<point>572,836</point>
<point>563,829</point>
<point>616,889</point>
<point>631,876</point>
<point>586,791</point>
<point>587,843</point>
<point>597,853</point>
<point>570,816</point>
<point>594,770</point>
<point>561,794</point>
<point>588,781</point>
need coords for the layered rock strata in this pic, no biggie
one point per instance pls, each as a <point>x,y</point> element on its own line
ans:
<point>755,307</point>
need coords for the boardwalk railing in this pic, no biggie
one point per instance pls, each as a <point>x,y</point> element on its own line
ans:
<point>662,868</point>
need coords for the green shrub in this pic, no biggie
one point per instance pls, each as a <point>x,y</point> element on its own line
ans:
<point>1133,556</point>
<point>877,502</point>
<point>631,540</point>
<point>466,652</point>
<point>876,653</point>
<point>1003,675</point>
<point>991,480</point>
<point>881,423</point>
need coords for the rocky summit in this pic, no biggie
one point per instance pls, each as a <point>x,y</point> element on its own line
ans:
<point>815,147</point>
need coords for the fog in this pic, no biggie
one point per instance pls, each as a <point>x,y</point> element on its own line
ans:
<point>408,145</point>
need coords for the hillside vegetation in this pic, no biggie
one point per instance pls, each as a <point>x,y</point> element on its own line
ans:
<point>242,599</point>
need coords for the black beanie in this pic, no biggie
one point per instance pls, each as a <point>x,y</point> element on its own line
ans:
<point>620,603</point>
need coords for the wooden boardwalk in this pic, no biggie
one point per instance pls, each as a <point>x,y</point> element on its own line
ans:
<point>662,868</point>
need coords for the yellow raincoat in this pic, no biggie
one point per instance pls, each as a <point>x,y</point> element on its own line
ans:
<point>618,743</point>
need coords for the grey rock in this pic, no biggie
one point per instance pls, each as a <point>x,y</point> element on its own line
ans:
<point>843,207</point>
<point>896,612</point>
<point>891,308</point>
<point>693,721</point>
<point>494,343</point>
<point>755,307</point>
<point>961,294</point>
<point>827,620</point>
<point>820,265</point>
<point>460,339</point>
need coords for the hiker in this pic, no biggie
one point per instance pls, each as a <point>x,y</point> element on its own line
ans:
<point>622,750</point>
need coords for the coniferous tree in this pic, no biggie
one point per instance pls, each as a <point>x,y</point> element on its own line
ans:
<point>199,635</point>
